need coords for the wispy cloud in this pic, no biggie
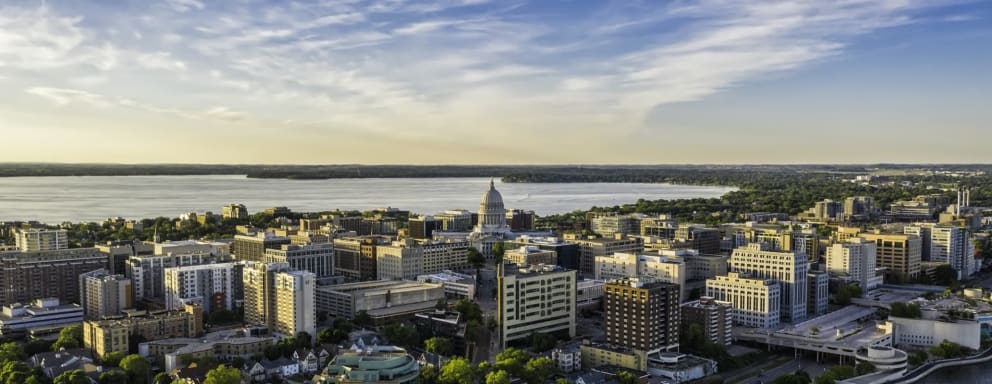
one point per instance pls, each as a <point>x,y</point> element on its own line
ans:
<point>61,96</point>
<point>185,5</point>
<point>161,60</point>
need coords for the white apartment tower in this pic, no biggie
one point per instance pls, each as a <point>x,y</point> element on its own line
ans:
<point>788,268</point>
<point>856,260</point>
<point>537,298</point>
<point>39,239</point>
<point>212,286</point>
<point>756,301</point>
<point>666,269</point>
<point>946,244</point>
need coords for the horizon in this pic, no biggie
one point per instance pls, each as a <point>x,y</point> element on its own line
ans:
<point>484,82</point>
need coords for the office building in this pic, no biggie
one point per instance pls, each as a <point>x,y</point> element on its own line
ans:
<point>220,250</point>
<point>103,294</point>
<point>454,221</point>
<point>520,220</point>
<point>114,335</point>
<point>456,285</point>
<point>212,286</point>
<point>642,314</point>
<point>826,210</point>
<point>817,293</point>
<point>716,318</point>
<point>855,261</point>
<point>381,299</point>
<point>537,298</point>
<point>17,320</point>
<point>316,258</point>
<point>119,251</point>
<point>26,276</point>
<point>567,253</point>
<point>610,225</point>
<point>900,254</point>
<point>589,294</point>
<point>147,272</point>
<point>279,298</point>
<point>234,211</point>
<point>946,244</point>
<point>668,269</point>
<point>703,239</point>
<point>789,269</point>
<point>756,301</point>
<point>40,239</point>
<point>422,227</point>
<point>530,255</point>
<point>859,208</point>
<point>252,248</point>
<point>407,259</point>
<point>589,248</point>
<point>356,258</point>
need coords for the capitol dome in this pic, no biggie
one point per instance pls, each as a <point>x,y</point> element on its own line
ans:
<point>492,214</point>
<point>491,200</point>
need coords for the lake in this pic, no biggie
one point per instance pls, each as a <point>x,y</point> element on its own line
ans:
<point>95,198</point>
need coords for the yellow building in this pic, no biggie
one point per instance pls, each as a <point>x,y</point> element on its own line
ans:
<point>113,335</point>
<point>900,253</point>
<point>602,354</point>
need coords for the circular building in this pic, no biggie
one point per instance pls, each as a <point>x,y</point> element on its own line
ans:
<point>882,357</point>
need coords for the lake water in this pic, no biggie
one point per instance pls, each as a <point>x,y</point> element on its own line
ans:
<point>971,374</point>
<point>94,198</point>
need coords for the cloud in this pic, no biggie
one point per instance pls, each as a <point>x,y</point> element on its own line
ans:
<point>62,96</point>
<point>223,113</point>
<point>185,5</point>
<point>161,60</point>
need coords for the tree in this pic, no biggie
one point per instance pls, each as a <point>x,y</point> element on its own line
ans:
<point>542,342</point>
<point>864,368</point>
<point>475,258</point>
<point>113,359</point>
<point>512,360</point>
<point>162,378</point>
<point>428,375</point>
<point>304,340</point>
<point>798,377</point>
<point>223,375</point>
<point>625,377</point>
<point>469,310</point>
<point>499,249</point>
<point>114,376</point>
<point>498,377</point>
<point>945,275</point>
<point>321,316</point>
<point>37,346</point>
<point>441,305</point>
<point>76,376</point>
<point>438,345</point>
<point>362,319</point>
<point>457,371</point>
<point>538,370</point>
<point>11,352</point>
<point>138,369</point>
<point>837,372</point>
<point>911,311</point>
<point>70,337</point>
<point>562,380</point>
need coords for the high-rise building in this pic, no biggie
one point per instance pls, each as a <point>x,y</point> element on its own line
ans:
<point>819,286</point>
<point>667,269</point>
<point>854,260</point>
<point>716,318</point>
<point>642,314</point>
<point>212,286</point>
<point>40,239</point>
<point>789,269</point>
<point>355,258</point>
<point>234,211</point>
<point>103,294</point>
<point>538,298</point>
<point>610,225</point>
<point>422,227</point>
<point>279,298</point>
<point>407,259</point>
<point>530,255</point>
<point>316,258</point>
<point>147,272</point>
<point>946,244</point>
<point>252,248</point>
<point>520,220</point>
<point>756,301</point>
<point>295,303</point>
<point>454,221</point>
<point>901,254</point>
<point>119,251</point>
<point>590,248</point>
<point>26,276</point>
<point>703,239</point>
<point>859,207</point>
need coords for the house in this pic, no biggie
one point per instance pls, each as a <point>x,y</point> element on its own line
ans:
<point>430,359</point>
<point>193,374</point>
<point>267,369</point>
<point>311,360</point>
<point>55,363</point>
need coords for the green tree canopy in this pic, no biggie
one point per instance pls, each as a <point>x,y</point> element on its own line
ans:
<point>70,337</point>
<point>113,359</point>
<point>625,377</point>
<point>138,369</point>
<point>114,376</point>
<point>475,258</point>
<point>76,376</point>
<point>457,371</point>
<point>538,370</point>
<point>223,375</point>
<point>498,377</point>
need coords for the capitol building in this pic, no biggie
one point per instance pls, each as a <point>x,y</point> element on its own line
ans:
<point>491,227</point>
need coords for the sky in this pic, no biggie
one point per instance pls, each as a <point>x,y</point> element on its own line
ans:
<point>495,82</point>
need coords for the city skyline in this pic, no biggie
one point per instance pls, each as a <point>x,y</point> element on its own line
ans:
<point>474,82</point>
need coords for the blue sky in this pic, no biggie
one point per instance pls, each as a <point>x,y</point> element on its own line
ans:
<point>476,81</point>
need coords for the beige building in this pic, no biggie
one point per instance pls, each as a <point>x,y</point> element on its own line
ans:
<point>40,239</point>
<point>901,254</point>
<point>381,299</point>
<point>222,346</point>
<point>215,286</point>
<point>854,260</point>
<point>407,259</point>
<point>757,302</point>
<point>103,294</point>
<point>234,211</point>
<point>589,248</point>
<point>715,317</point>
<point>668,269</point>
<point>530,255</point>
<point>316,258</point>
<point>280,298</point>
<point>598,355</point>
<point>539,298</point>
<point>789,269</point>
<point>113,335</point>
